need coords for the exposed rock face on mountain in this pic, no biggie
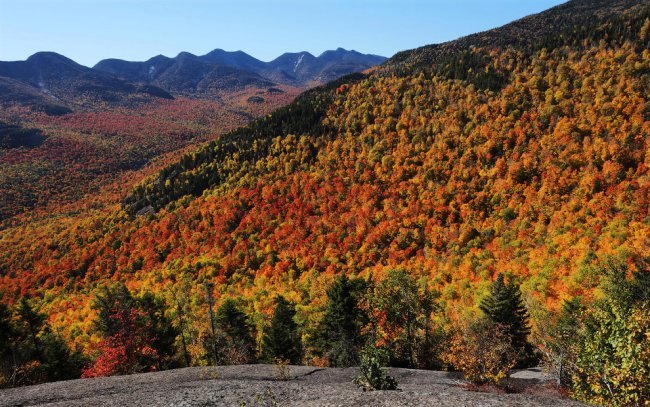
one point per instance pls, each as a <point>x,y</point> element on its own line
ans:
<point>259,385</point>
<point>50,79</point>
<point>189,73</point>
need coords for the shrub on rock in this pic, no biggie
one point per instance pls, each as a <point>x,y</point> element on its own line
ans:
<point>374,375</point>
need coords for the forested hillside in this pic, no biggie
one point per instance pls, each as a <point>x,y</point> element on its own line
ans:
<point>434,173</point>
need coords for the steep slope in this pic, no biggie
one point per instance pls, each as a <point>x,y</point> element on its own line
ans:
<point>62,79</point>
<point>503,158</point>
<point>571,21</point>
<point>589,21</point>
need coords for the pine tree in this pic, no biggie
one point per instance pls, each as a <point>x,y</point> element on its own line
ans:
<point>32,339</point>
<point>6,346</point>
<point>504,306</point>
<point>232,321</point>
<point>6,329</point>
<point>282,339</point>
<point>33,323</point>
<point>61,363</point>
<point>160,327</point>
<point>234,343</point>
<point>338,334</point>
<point>374,374</point>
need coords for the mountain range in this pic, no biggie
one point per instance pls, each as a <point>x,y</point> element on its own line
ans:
<point>51,82</point>
<point>190,72</point>
<point>55,84</point>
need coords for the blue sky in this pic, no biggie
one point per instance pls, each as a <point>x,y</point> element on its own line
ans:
<point>90,30</point>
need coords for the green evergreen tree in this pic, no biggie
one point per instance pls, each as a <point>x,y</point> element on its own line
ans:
<point>6,347</point>
<point>374,374</point>
<point>338,334</point>
<point>33,322</point>
<point>504,306</point>
<point>282,339</point>
<point>6,329</point>
<point>31,339</point>
<point>233,334</point>
<point>61,363</point>
<point>160,326</point>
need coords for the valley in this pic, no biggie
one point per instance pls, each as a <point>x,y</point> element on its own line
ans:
<point>98,124</point>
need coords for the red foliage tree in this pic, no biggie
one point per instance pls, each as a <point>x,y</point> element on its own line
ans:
<point>128,350</point>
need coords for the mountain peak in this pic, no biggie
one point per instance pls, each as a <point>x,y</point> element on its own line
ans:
<point>157,59</point>
<point>50,57</point>
<point>185,55</point>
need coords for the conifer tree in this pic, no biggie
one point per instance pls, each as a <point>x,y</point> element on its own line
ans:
<point>233,334</point>
<point>232,320</point>
<point>5,329</point>
<point>6,348</point>
<point>29,338</point>
<point>504,306</point>
<point>338,334</point>
<point>282,339</point>
<point>108,301</point>
<point>33,322</point>
<point>61,363</point>
<point>160,327</point>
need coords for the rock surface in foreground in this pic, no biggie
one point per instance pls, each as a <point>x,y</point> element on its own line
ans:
<point>259,385</point>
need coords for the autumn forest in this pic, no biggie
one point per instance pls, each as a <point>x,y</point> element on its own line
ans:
<point>391,216</point>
